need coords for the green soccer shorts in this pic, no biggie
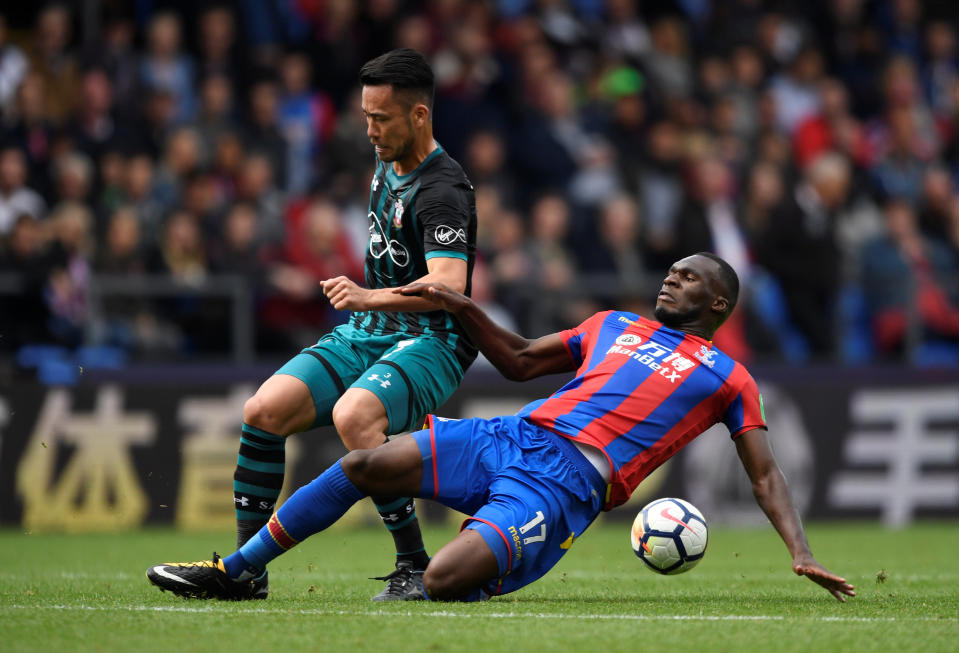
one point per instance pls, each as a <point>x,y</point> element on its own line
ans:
<point>411,376</point>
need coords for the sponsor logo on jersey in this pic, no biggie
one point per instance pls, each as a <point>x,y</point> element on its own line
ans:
<point>446,235</point>
<point>380,246</point>
<point>706,356</point>
<point>657,357</point>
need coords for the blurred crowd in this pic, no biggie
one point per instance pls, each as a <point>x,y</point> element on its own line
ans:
<point>814,145</point>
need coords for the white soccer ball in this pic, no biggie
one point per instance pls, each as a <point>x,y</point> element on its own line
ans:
<point>669,535</point>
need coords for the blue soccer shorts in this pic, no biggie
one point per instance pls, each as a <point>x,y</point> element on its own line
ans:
<point>410,376</point>
<point>530,492</point>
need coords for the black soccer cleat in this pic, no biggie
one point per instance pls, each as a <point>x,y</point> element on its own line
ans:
<point>261,587</point>
<point>206,579</point>
<point>402,584</point>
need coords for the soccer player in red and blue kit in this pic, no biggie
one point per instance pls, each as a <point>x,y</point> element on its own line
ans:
<point>534,481</point>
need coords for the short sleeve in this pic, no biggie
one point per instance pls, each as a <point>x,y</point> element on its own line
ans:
<point>746,411</point>
<point>445,211</point>
<point>579,339</point>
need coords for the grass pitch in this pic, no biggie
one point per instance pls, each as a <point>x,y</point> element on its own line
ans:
<point>89,593</point>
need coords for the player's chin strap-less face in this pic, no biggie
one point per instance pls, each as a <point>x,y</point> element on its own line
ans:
<point>692,296</point>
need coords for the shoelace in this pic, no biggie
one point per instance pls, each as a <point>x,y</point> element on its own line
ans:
<point>396,579</point>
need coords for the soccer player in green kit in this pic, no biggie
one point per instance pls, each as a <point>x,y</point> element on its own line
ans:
<point>398,358</point>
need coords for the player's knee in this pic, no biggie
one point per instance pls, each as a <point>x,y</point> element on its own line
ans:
<point>360,467</point>
<point>445,583</point>
<point>262,415</point>
<point>355,427</point>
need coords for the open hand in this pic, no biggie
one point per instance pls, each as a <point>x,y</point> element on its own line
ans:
<point>835,585</point>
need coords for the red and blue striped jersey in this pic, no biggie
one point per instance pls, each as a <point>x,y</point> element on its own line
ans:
<point>643,391</point>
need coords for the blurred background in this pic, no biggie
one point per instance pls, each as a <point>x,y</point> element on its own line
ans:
<point>177,177</point>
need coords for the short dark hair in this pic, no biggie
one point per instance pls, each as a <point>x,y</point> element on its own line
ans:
<point>728,278</point>
<point>405,70</point>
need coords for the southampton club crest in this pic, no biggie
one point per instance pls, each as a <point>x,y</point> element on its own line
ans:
<point>398,213</point>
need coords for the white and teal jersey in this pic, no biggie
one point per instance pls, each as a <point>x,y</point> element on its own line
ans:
<point>428,213</point>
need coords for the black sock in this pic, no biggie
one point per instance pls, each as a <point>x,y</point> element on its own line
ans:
<point>257,481</point>
<point>399,516</point>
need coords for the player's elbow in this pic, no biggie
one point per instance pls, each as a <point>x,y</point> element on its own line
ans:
<point>517,369</point>
<point>767,484</point>
<point>514,373</point>
<point>458,284</point>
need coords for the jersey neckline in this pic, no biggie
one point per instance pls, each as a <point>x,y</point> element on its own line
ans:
<point>392,175</point>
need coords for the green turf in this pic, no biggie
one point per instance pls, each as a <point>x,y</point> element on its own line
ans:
<point>61,593</point>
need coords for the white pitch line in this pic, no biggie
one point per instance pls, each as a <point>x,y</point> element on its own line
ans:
<point>460,615</point>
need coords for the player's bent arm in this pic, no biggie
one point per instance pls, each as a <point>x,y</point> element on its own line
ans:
<point>772,494</point>
<point>344,295</point>
<point>517,358</point>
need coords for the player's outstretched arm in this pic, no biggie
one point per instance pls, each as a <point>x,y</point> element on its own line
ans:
<point>772,494</point>
<point>517,358</point>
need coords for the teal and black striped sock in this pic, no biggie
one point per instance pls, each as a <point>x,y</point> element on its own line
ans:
<point>399,516</point>
<point>258,480</point>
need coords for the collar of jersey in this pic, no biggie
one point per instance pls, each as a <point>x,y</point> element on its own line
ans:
<point>681,334</point>
<point>391,175</point>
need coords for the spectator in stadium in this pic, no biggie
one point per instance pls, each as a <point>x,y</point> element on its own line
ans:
<point>122,252</point>
<point>116,55</point>
<point>24,257</point>
<point>137,191</point>
<point>165,66</point>
<point>71,252</point>
<point>617,257</point>
<point>262,133</point>
<point>219,53</point>
<point>111,169</point>
<point>95,126</point>
<point>26,127</point>
<point>256,186</point>
<point>182,155</point>
<point>237,248</point>
<point>940,72</point>
<point>306,119</point>
<point>51,57</point>
<point>382,372</point>
<point>796,91</point>
<point>16,197</point>
<point>125,320</point>
<point>552,467</point>
<point>181,251</point>
<point>554,266</point>
<point>317,247</point>
<point>909,285</point>
<point>73,177</point>
<point>13,68</point>
<point>216,114</point>
<point>798,246</point>
<point>660,188</point>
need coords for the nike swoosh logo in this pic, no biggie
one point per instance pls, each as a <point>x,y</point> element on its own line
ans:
<point>160,571</point>
<point>665,514</point>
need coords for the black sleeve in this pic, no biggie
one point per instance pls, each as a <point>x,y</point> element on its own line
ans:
<point>446,212</point>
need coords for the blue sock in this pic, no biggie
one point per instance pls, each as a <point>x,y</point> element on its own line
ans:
<point>311,509</point>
